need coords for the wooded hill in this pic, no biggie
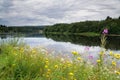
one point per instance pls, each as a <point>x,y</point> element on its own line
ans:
<point>113,26</point>
<point>20,29</point>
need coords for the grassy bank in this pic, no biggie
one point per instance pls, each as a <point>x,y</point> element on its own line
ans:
<point>90,34</point>
<point>21,62</point>
<point>81,34</point>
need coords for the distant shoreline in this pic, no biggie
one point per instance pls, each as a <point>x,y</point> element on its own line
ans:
<point>82,34</point>
<point>55,33</point>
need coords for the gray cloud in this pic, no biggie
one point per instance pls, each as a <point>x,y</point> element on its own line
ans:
<point>44,12</point>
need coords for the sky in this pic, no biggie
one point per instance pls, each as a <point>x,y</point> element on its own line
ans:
<point>49,12</point>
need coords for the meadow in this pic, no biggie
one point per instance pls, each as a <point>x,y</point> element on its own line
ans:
<point>19,61</point>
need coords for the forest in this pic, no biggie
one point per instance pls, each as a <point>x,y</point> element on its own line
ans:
<point>20,29</point>
<point>112,24</point>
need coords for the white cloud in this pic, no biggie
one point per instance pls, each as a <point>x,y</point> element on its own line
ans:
<point>43,12</point>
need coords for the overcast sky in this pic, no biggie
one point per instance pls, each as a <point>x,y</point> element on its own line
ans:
<point>45,12</point>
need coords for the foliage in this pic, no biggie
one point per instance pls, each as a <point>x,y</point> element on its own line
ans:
<point>20,29</point>
<point>87,26</point>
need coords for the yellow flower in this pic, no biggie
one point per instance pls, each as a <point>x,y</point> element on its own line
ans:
<point>78,58</point>
<point>113,63</point>
<point>71,74</point>
<point>33,51</point>
<point>48,73</point>
<point>117,72</point>
<point>69,64</point>
<point>47,76</point>
<point>49,70</point>
<point>98,61</point>
<point>46,62</point>
<point>117,56</point>
<point>110,53</point>
<point>101,53</point>
<point>56,66</point>
<point>46,66</point>
<point>74,53</point>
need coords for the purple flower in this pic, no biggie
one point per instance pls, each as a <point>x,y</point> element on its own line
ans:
<point>87,48</point>
<point>105,31</point>
<point>90,57</point>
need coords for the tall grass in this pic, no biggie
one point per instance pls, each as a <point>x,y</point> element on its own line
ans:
<point>21,62</point>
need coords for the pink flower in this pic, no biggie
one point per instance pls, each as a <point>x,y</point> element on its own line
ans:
<point>105,31</point>
<point>87,48</point>
<point>90,57</point>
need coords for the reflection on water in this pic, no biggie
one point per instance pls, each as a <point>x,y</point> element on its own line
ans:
<point>62,44</point>
<point>112,42</point>
<point>61,47</point>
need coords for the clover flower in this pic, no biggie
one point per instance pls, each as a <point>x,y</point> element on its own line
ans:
<point>105,31</point>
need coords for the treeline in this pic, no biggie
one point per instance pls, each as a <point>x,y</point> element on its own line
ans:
<point>87,26</point>
<point>20,29</point>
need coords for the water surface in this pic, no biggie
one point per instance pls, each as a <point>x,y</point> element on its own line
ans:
<point>64,45</point>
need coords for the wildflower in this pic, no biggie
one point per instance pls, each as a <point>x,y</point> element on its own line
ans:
<point>68,64</point>
<point>117,72</point>
<point>71,74</point>
<point>117,56</point>
<point>62,60</point>
<point>46,62</point>
<point>46,66</point>
<point>110,53</point>
<point>101,53</point>
<point>47,76</point>
<point>105,31</point>
<point>74,53</point>
<point>113,63</point>
<point>87,48</point>
<point>49,70</point>
<point>56,66</point>
<point>98,61</point>
<point>90,57</point>
<point>33,51</point>
<point>78,58</point>
<point>46,59</point>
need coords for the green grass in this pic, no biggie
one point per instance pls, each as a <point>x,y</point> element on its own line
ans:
<point>92,34</point>
<point>21,62</point>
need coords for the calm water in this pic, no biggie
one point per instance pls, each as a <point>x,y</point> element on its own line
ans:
<point>64,44</point>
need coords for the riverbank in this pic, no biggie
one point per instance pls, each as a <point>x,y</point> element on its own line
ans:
<point>19,61</point>
<point>91,34</point>
<point>82,34</point>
